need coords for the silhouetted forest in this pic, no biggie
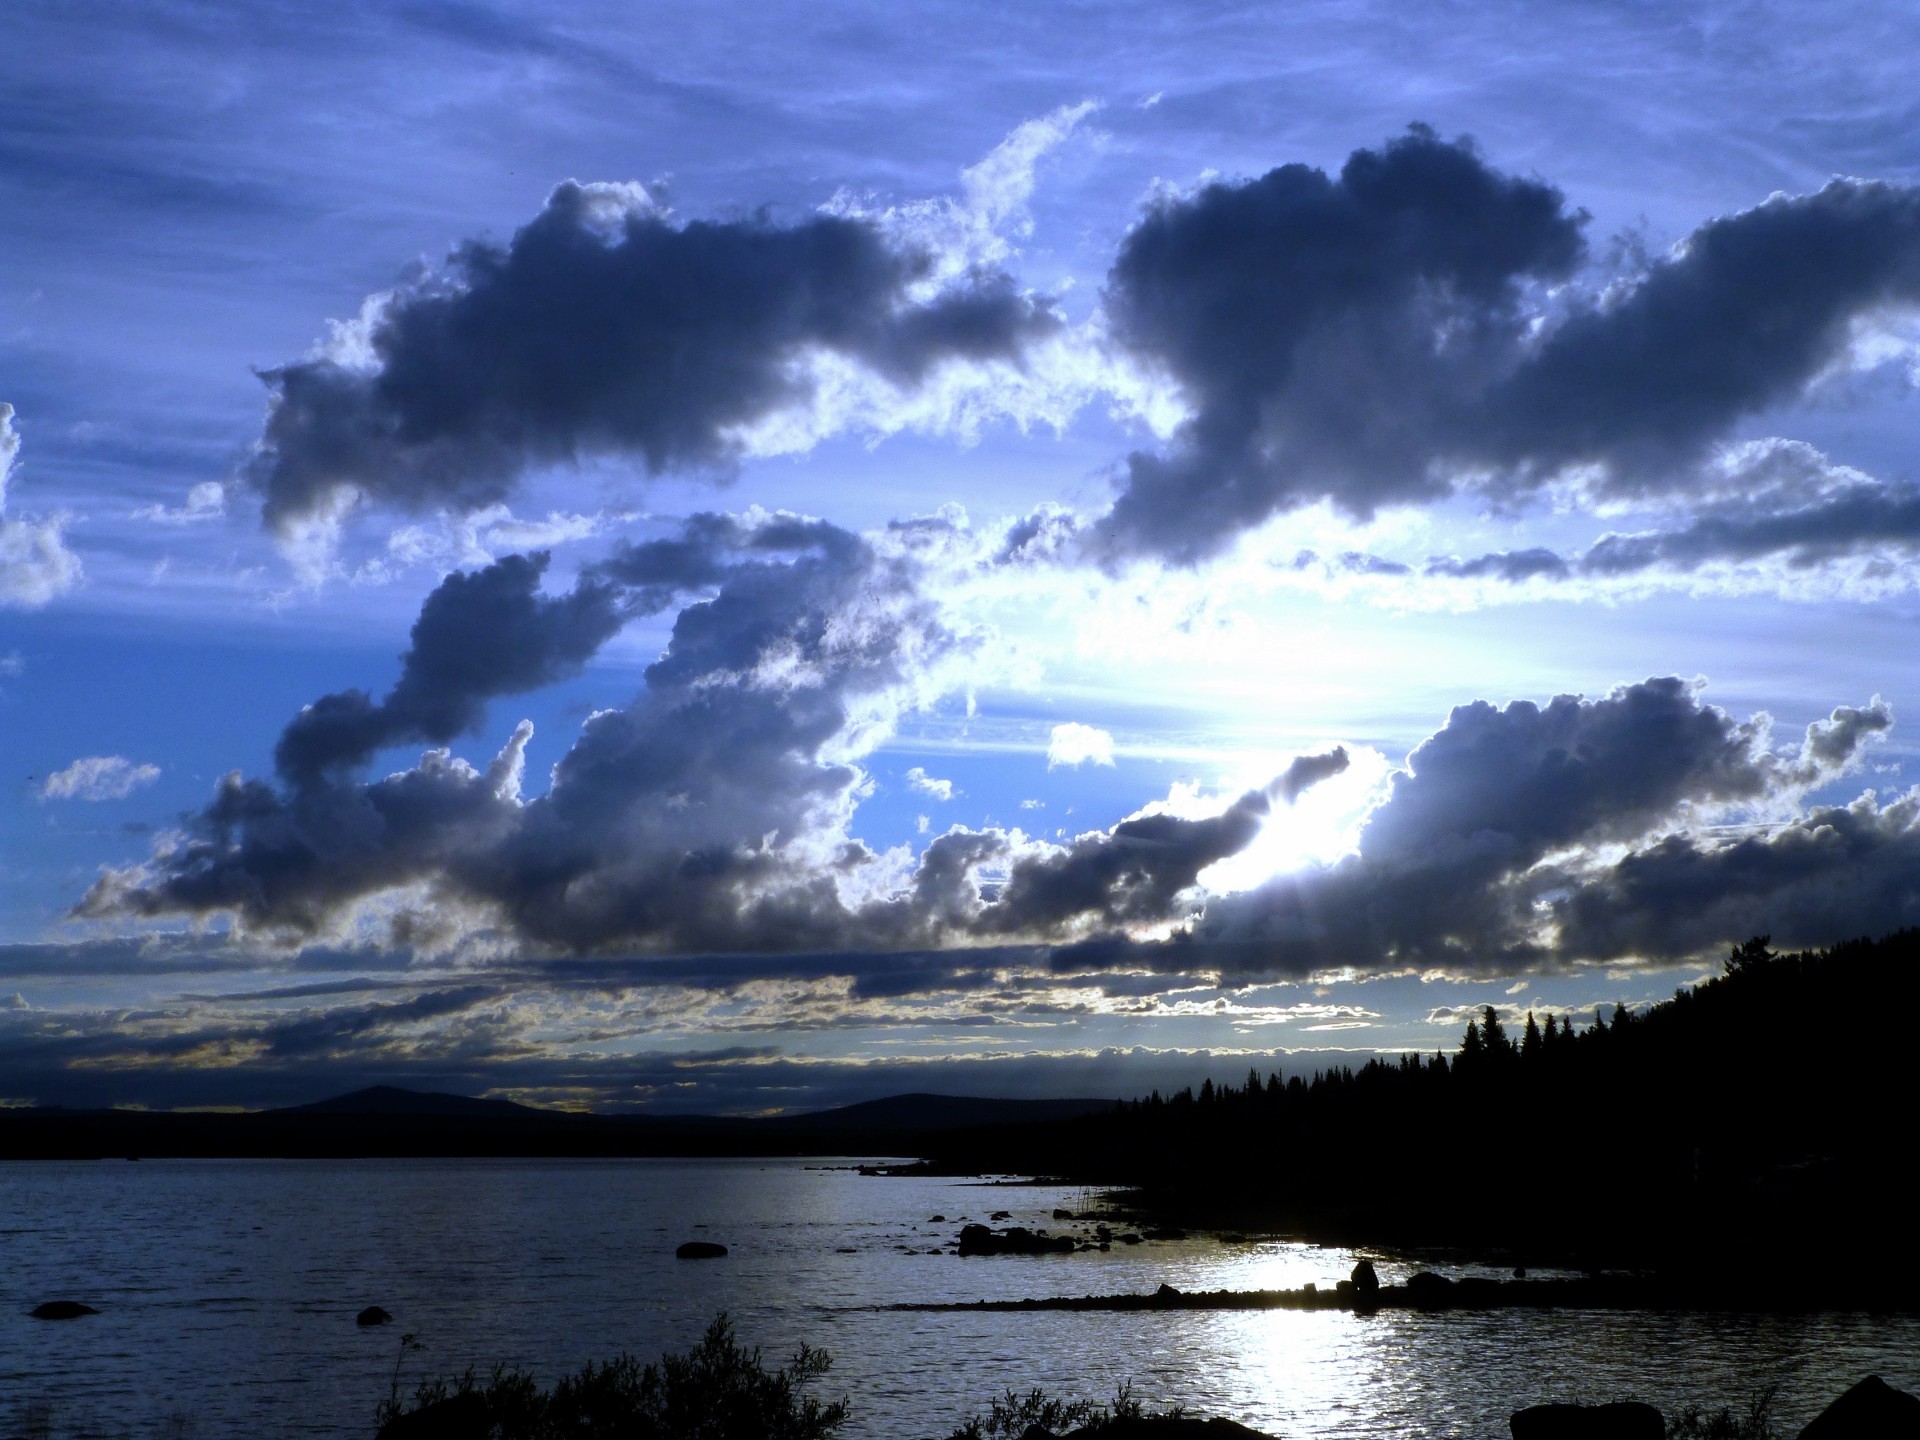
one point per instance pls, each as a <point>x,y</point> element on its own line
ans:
<point>1756,1115</point>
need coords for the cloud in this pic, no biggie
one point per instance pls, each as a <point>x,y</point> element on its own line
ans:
<point>205,501</point>
<point>1075,744</point>
<point>709,814</point>
<point>1138,872</point>
<point>98,777</point>
<point>479,635</point>
<point>1503,812</point>
<point>606,328</point>
<point>1773,500</point>
<point>1835,873</point>
<point>35,564</point>
<point>1416,326</point>
<point>1327,331</point>
<point>918,780</point>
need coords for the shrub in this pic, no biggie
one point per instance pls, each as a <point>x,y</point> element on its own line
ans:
<point>716,1391</point>
<point>1694,1423</point>
<point>1012,1414</point>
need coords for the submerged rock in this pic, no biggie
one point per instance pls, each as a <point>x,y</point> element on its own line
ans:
<point>1869,1411</point>
<point>1621,1420</point>
<point>61,1310</point>
<point>372,1315</point>
<point>701,1250</point>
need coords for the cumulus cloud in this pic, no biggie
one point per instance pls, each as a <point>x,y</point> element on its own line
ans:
<point>1073,744</point>
<point>1499,815</point>
<point>918,780</point>
<point>98,777</point>
<point>708,814</point>
<point>1410,327</point>
<point>605,327</point>
<point>35,563</point>
<point>479,635</point>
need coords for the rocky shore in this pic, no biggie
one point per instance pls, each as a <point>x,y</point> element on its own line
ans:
<point>1426,1290</point>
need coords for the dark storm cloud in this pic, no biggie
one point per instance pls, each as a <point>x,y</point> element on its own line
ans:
<point>1835,873</point>
<point>1486,823</point>
<point>479,635</point>
<point>1388,335</point>
<point>1326,331</point>
<point>708,815</point>
<point>604,328</point>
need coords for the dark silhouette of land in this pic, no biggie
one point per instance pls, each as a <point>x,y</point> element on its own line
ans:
<point>386,1121</point>
<point>1752,1125</point>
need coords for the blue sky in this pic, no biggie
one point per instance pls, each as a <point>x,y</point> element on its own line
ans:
<point>977,460</point>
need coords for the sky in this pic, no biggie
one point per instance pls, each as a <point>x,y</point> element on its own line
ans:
<point>744,558</point>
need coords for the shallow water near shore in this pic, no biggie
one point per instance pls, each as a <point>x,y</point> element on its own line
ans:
<point>228,1290</point>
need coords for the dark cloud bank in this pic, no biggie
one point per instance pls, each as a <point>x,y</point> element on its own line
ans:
<point>712,815</point>
<point>604,327</point>
<point>1394,333</point>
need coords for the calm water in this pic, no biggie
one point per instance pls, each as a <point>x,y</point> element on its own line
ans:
<point>228,1291</point>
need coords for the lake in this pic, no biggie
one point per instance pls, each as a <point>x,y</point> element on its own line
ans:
<point>228,1290</point>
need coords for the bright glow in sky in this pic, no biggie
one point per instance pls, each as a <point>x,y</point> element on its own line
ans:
<point>753,557</point>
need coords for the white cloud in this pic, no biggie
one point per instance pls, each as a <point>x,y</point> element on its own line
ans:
<point>1077,744</point>
<point>205,501</point>
<point>35,564</point>
<point>99,777</point>
<point>919,780</point>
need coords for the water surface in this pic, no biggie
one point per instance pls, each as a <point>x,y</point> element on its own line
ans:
<point>228,1291</point>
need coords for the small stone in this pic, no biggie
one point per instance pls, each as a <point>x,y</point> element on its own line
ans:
<point>62,1310</point>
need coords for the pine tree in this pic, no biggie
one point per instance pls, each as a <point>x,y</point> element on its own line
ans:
<point>1530,1041</point>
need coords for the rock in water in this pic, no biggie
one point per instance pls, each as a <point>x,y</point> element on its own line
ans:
<point>372,1315</point>
<point>1870,1410</point>
<point>701,1250</point>
<point>1622,1420</point>
<point>62,1310</point>
<point>1365,1282</point>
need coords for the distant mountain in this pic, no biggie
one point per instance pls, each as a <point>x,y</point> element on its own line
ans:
<point>392,1100</point>
<point>938,1112</point>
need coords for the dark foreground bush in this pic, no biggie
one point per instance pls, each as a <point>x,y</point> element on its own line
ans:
<point>716,1391</point>
<point>1755,1423</point>
<point>1014,1414</point>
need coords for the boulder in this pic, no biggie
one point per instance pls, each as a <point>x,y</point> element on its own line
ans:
<point>1014,1240</point>
<point>1622,1420</point>
<point>458,1417</point>
<point>61,1310</point>
<point>936,1220</point>
<point>1166,1294</point>
<point>1001,1215</point>
<point>1428,1290</point>
<point>1060,1214</point>
<point>372,1315</point>
<point>1868,1411</point>
<point>700,1250</point>
<point>1366,1283</point>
